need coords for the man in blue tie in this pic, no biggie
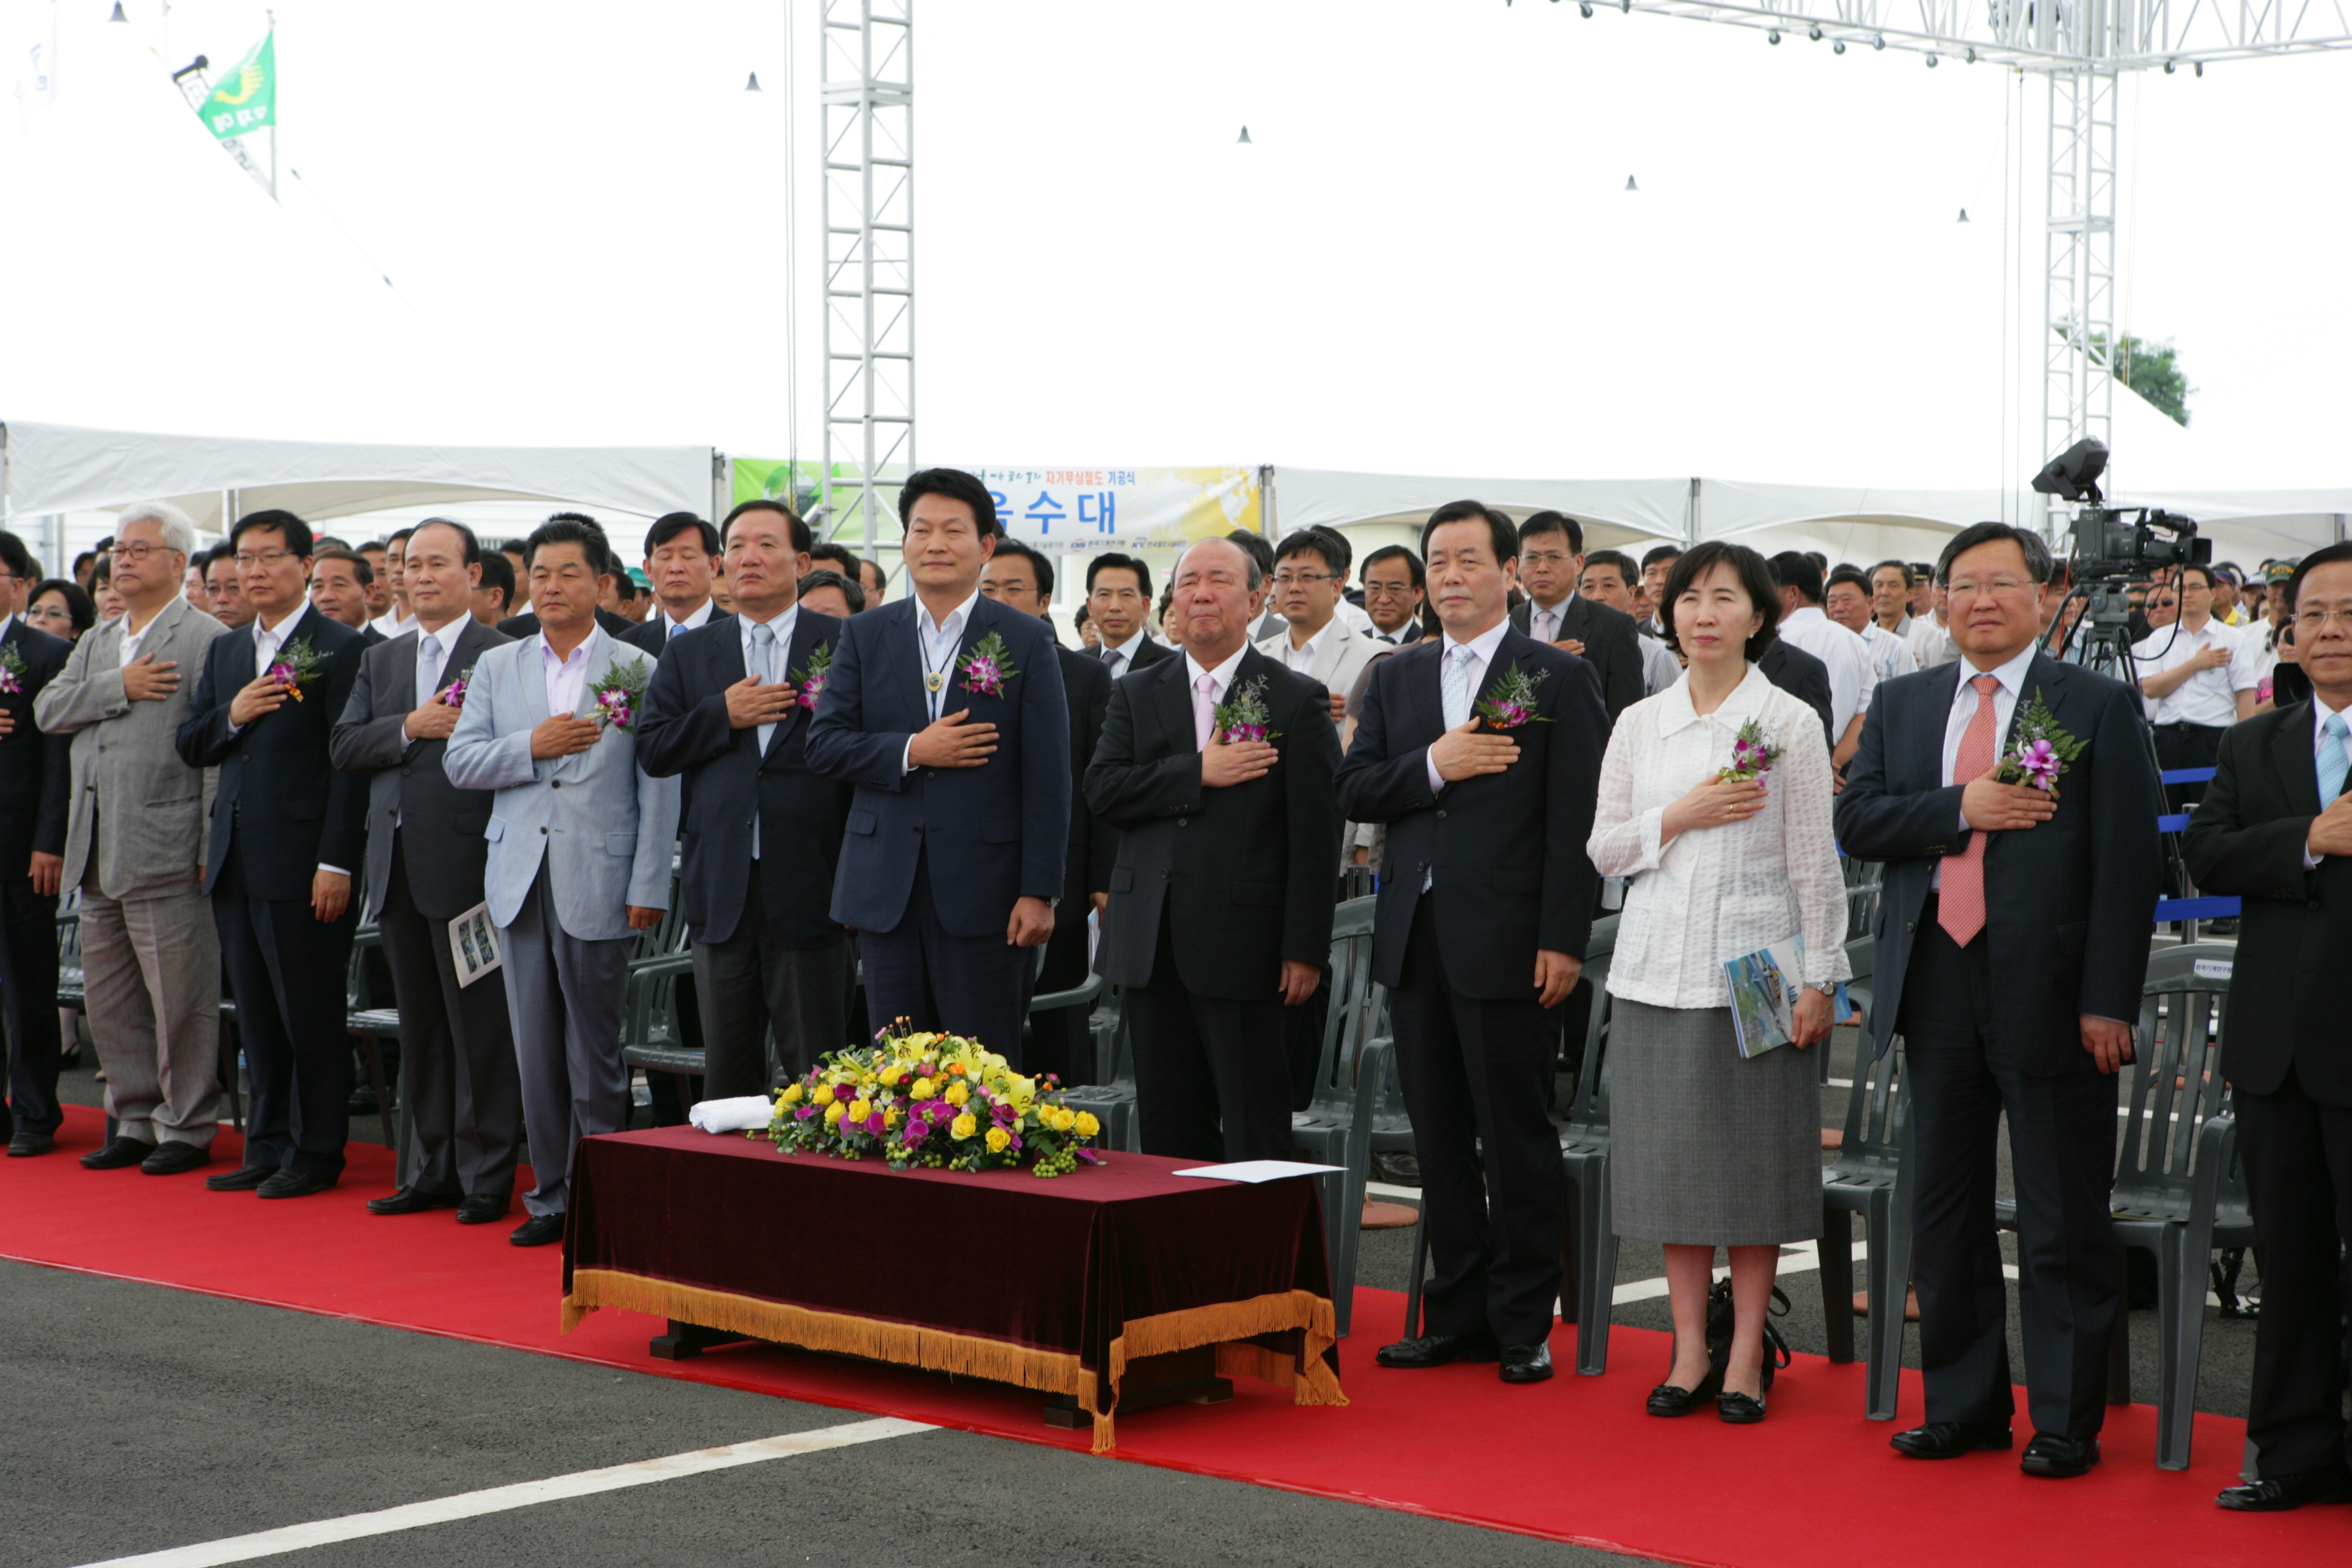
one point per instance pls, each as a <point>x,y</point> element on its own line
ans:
<point>946,710</point>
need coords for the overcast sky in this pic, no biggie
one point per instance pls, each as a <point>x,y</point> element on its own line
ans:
<point>1427,261</point>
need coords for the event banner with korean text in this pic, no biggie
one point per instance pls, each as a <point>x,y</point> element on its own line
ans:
<point>1151,513</point>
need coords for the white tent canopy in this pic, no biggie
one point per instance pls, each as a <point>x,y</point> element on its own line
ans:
<point>54,469</point>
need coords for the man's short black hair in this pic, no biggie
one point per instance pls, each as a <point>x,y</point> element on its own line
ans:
<point>1505,537</point>
<point>469,549</point>
<point>367,545</point>
<point>670,524</point>
<point>296,531</point>
<point>1113,559</point>
<point>1909,581</point>
<point>843,559</point>
<point>328,542</point>
<point>19,560</point>
<point>1627,574</point>
<point>1758,579</point>
<point>2198,566</point>
<point>1795,569</point>
<point>1399,553</point>
<point>1037,564</point>
<point>84,559</point>
<point>2327,556</point>
<point>2036,551</point>
<point>1820,561</point>
<point>953,484</point>
<point>1259,548</point>
<point>516,547</point>
<point>499,572</point>
<point>1658,553</point>
<point>801,539</point>
<point>1327,543</point>
<point>852,593</point>
<point>394,536</point>
<point>1849,575</point>
<point>351,558</point>
<point>569,527</point>
<point>1542,523</point>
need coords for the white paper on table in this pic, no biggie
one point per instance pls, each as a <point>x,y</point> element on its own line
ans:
<point>744,1113</point>
<point>1257,1170</point>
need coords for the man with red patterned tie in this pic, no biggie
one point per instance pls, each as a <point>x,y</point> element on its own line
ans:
<point>2012,943</point>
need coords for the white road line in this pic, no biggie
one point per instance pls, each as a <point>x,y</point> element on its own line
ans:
<point>524,1494</point>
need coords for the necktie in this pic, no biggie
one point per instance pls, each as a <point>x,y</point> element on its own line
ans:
<point>1547,625</point>
<point>1962,909</point>
<point>1456,688</point>
<point>429,651</point>
<point>763,652</point>
<point>1204,711</point>
<point>2334,760</point>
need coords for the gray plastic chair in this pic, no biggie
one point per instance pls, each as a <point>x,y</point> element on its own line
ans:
<point>1868,1178</point>
<point>1111,1101</point>
<point>1330,1128</point>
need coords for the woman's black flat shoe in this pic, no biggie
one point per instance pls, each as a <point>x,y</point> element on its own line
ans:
<point>1667,1400</point>
<point>1740,1409</point>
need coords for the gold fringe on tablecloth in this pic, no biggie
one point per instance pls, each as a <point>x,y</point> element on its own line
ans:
<point>937,1349</point>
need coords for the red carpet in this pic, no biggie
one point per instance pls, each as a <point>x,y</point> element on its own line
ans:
<point>1573,1459</point>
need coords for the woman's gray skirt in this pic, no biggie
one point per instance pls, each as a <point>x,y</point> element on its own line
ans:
<point>1705,1149</point>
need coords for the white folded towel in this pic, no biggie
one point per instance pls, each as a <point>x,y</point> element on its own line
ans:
<point>747,1114</point>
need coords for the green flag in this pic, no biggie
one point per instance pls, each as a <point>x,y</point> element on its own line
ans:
<point>246,98</point>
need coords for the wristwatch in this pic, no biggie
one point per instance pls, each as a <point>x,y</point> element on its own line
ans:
<point>1826,987</point>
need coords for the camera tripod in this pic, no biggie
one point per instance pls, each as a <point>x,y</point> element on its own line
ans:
<point>2102,636</point>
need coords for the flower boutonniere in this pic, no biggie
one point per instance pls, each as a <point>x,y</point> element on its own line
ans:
<point>987,666</point>
<point>12,672</point>
<point>1752,755</point>
<point>453,694</point>
<point>2039,751</point>
<point>1514,703</point>
<point>618,691</point>
<point>295,667</point>
<point>1241,717</point>
<point>811,676</point>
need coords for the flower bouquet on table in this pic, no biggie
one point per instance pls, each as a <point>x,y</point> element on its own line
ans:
<point>937,1102</point>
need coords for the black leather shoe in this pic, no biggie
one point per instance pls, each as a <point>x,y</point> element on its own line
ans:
<point>1527,1363</point>
<point>2277,1494</point>
<point>1436,1349</point>
<point>1948,1440</point>
<point>25,1143</point>
<point>1667,1400</point>
<point>538,1230</point>
<point>1740,1409</point>
<point>118,1152</point>
<point>481,1209</point>
<point>2058,1459</point>
<point>408,1200</point>
<point>294,1184</point>
<point>243,1179</point>
<point>172,1156</point>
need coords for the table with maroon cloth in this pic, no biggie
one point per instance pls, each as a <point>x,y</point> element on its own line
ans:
<point>1056,1285</point>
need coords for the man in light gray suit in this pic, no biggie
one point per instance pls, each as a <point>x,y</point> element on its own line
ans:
<point>425,852</point>
<point>581,840</point>
<point>150,956</point>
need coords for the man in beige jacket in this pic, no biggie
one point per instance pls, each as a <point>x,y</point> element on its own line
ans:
<point>135,848</point>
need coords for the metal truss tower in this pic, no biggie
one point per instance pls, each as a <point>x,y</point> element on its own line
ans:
<point>2083,47</point>
<point>866,66</point>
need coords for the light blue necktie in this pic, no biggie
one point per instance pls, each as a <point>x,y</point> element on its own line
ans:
<point>1454,690</point>
<point>430,647</point>
<point>763,655</point>
<point>2333,761</point>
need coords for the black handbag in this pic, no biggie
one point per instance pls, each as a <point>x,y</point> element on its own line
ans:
<point>1718,1331</point>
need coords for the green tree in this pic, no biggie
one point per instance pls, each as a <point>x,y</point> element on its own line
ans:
<point>2152,370</point>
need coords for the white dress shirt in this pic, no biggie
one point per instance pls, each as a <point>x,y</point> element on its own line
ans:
<point>1302,658</point>
<point>2005,699</point>
<point>1482,654</point>
<point>1931,645</point>
<point>2320,741</point>
<point>432,651</point>
<point>701,617</point>
<point>1853,676</point>
<point>567,676</point>
<point>1660,667</point>
<point>1714,893</point>
<point>130,639</point>
<point>1890,654</point>
<point>1355,617</point>
<point>936,642</point>
<point>779,660</point>
<point>391,624</point>
<point>2209,697</point>
<point>1222,676</point>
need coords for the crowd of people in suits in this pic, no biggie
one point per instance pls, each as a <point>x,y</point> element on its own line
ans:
<point>935,799</point>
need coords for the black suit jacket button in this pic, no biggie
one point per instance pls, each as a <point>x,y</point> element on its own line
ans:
<point>1441,814</point>
<point>1163,874</point>
<point>1183,821</point>
<point>1910,925</point>
<point>406,769</point>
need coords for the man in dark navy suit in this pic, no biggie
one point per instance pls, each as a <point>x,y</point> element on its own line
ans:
<point>1551,561</point>
<point>2012,943</point>
<point>34,770</point>
<point>1486,904</point>
<point>288,830</point>
<point>761,833</point>
<point>946,710</point>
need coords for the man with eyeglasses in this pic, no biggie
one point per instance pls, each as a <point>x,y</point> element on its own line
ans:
<point>264,714</point>
<point>2199,678</point>
<point>1310,573</point>
<point>2013,940</point>
<point>1394,584</point>
<point>32,859</point>
<point>1551,561</point>
<point>2275,830</point>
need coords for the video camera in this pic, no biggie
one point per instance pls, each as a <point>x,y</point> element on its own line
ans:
<point>2116,544</point>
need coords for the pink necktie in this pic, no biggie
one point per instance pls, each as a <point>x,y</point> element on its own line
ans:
<point>1961,910</point>
<point>1204,711</point>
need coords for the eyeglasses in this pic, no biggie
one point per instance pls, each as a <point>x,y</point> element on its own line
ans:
<point>1387,590</point>
<point>1300,579</point>
<point>2000,587</point>
<point>264,561</point>
<point>58,613</point>
<point>1546,557</point>
<point>2315,616</point>
<point>139,550</point>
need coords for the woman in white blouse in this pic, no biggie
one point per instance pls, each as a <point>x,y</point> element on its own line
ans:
<point>1708,1149</point>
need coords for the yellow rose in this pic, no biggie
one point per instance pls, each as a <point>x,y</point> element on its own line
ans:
<point>832,1113</point>
<point>889,1118</point>
<point>964,1126</point>
<point>823,1095</point>
<point>792,1095</point>
<point>997,1139</point>
<point>923,1088</point>
<point>957,1094</point>
<point>1064,1119</point>
<point>1087,1124</point>
<point>860,1109</point>
<point>889,1076</point>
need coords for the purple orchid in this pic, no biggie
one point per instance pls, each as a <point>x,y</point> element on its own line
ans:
<point>812,691</point>
<point>9,686</point>
<point>878,1123</point>
<point>282,673</point>
<point>2038,762</point>
<point>916,1130</point>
